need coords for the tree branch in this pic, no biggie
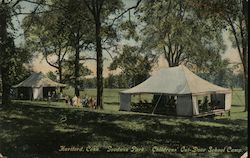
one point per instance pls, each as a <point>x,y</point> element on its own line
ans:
<point>166,54</point>
<point>99,7</point>
<point>46,55</point>
<point>94,9</point>
<point>236,38</point>
<point>244,45</point>
<point>133,7</point>
<point>64,54</point>
<point>109,53</point>
<point>88,6</point>
<point>178,54</point>
<point>16,3</point>
<point>46,58</point>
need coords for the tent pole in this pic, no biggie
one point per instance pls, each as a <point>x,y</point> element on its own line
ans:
<point>156,104</point>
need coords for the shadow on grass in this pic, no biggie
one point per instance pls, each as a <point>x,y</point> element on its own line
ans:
<point>33,131</point>
<point>224,121</point>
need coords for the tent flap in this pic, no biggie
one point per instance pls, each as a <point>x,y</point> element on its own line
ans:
<point>228,100</point>
<point>184,105</point>
<point>195,106</point>
<point>37,92</point>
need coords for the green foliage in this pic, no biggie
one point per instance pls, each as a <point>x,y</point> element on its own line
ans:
<point>231,15</point>
<point>112,81</point>
<point>68,72</point>
<point>218,73</point>
<point>134,65</point>
<point>13,60</point>
<point>89,83</point>
<point>129,29</point>
<point>62,33</point>
<point>172,28</point>
<point>116,81</point>
<point>51,75</point>
<point>237,80</point>
<point>78,22</point>
<point>58,31</point>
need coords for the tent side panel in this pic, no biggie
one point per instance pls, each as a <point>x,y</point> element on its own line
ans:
<point>228,101</point>
<point>40,93</point>
<point>125,100</point>
<point>195,105</point>
<point>184,105</point>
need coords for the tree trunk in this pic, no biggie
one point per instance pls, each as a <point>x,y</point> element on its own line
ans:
<point>5,86</point>
<point>245,13</point>
<point>60,75</point>
<point>99,64</point>
<point>246,94</point>
<point>4,67</point>
<point>246,80</point>
<point>77,69</point>
<point>172,59</point>
<point>77,66</point>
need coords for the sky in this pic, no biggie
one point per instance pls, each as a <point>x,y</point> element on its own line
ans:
<point>40,65</point>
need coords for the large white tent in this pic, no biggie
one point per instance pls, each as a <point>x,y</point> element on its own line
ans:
<point>184,84</point>
<point>37,85</point>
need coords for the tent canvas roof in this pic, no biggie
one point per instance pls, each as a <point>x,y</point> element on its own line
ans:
<point>38,80</point>
<point>176,80</point>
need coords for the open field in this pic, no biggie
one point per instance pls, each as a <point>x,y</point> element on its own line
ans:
<point>37,129</point>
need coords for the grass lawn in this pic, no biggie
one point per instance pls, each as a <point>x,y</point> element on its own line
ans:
<point>36,129</point>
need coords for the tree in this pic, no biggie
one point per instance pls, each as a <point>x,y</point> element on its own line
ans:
<point>173,29</point>
<point>13,63</point>
<point>219,73</point>
<point>78,21</point>
<point>135,66</point>
<point>237,81</point>
<point>6,42</point>
<point>231,15</point>
<point>8,9</point>
<point>110,81</point>
<point>101,10</point>
<point>63,30</point>
<point>68,74</point>
<point>20,68</point>
<point>89,82</point>
<point>45,33</point>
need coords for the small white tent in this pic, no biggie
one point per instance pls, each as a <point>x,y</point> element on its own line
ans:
<point>181,82</point>
<point>36,86</point>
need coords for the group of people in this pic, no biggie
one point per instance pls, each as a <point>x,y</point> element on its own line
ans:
<point>74,101</point>
<point>89,102</point>
<point>77,101</point>
<point>171,104</point>
<point>206,105</point>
